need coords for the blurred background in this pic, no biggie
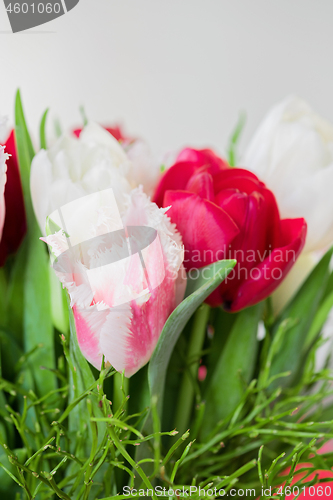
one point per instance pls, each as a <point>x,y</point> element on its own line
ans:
<point>177,72</point>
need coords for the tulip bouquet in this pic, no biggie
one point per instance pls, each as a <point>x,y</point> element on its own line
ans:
<point>162,326</point>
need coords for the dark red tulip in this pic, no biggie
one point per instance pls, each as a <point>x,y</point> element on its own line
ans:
<point>15,225</point>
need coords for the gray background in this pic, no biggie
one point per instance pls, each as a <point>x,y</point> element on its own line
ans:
<point>176,72</point>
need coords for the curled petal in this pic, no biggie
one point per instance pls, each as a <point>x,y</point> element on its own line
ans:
<point>265,277</point>
<point>203,158</point>
<point>203,226</point>
<point>238,178</point>
<point>189,162</point>
<point>202,185</point>
<point>176,177</point>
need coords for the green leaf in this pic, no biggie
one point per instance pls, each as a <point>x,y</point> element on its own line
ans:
<point>234,369</point>
<point>59,309</point>
<point>38,326</point>
<point>302,309</point>
<point>57,128</point>
<point>6,484</point>
<point>3,293</point>
<point>173,327</point>
<point>84,116</point>
<point>319,320</point>
<point>43,143</point>
<point>232,149</point>
<point>222,323</point>
<point>22,135</point>
<point>15,295</point>
<point>81,378</point>
<point>37,305</point>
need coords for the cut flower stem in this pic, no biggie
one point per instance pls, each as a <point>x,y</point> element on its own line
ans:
<point>186,393</point>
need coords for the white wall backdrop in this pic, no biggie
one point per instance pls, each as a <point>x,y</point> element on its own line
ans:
<point>176,72</point>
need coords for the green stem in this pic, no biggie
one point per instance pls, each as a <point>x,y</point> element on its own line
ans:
<point>186,393</point>
<point>120,390</point>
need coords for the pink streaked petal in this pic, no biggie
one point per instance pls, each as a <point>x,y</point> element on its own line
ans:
<point>154,263</point>
<point>118,282</point>
<point>117,341</point>
<point>180,285</point>
<point>89,323</point>
<point>130,333</point>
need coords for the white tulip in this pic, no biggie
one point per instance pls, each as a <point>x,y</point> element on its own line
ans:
<point>4,130</point>
<point>144,168</point>
<point>75,167</point>
<point>292,153</point>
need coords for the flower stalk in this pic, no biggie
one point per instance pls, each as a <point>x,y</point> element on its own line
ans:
<point>187,388</point>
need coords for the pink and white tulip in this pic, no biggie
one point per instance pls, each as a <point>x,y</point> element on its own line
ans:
<point>120,307</point>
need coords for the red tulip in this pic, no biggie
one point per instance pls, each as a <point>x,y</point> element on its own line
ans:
<point>115,131</point>
<point>15,225</point>
<point>225,212</point>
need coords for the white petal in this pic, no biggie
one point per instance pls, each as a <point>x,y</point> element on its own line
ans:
<point>73,168</point>
<point>296,276</point>
<point>93,134</point>
<point>144,169</point>
<point>292,152</point>
<point>3,179</point>
<point>115,337</point>
<point>312,199</point>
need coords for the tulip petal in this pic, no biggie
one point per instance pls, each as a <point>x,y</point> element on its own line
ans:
<point>115,131</point>
<point>318,214</point>
<point>202,157</point>
<point>3,178</point>
<point>201,184</point>
<point>238,178</point>
<point>265,277</point>
<point>176,177</point>
<point>15,224</point>
<point>234,203</point>
<point>73,168</point>
<point>129,337</point>
<point>189,161</point>
<point>249,248</point>
<point>203,225</point>
<point>88,323</point>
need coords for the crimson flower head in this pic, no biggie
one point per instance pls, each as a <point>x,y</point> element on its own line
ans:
<point>15,224</point>
<point>228,213</point>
